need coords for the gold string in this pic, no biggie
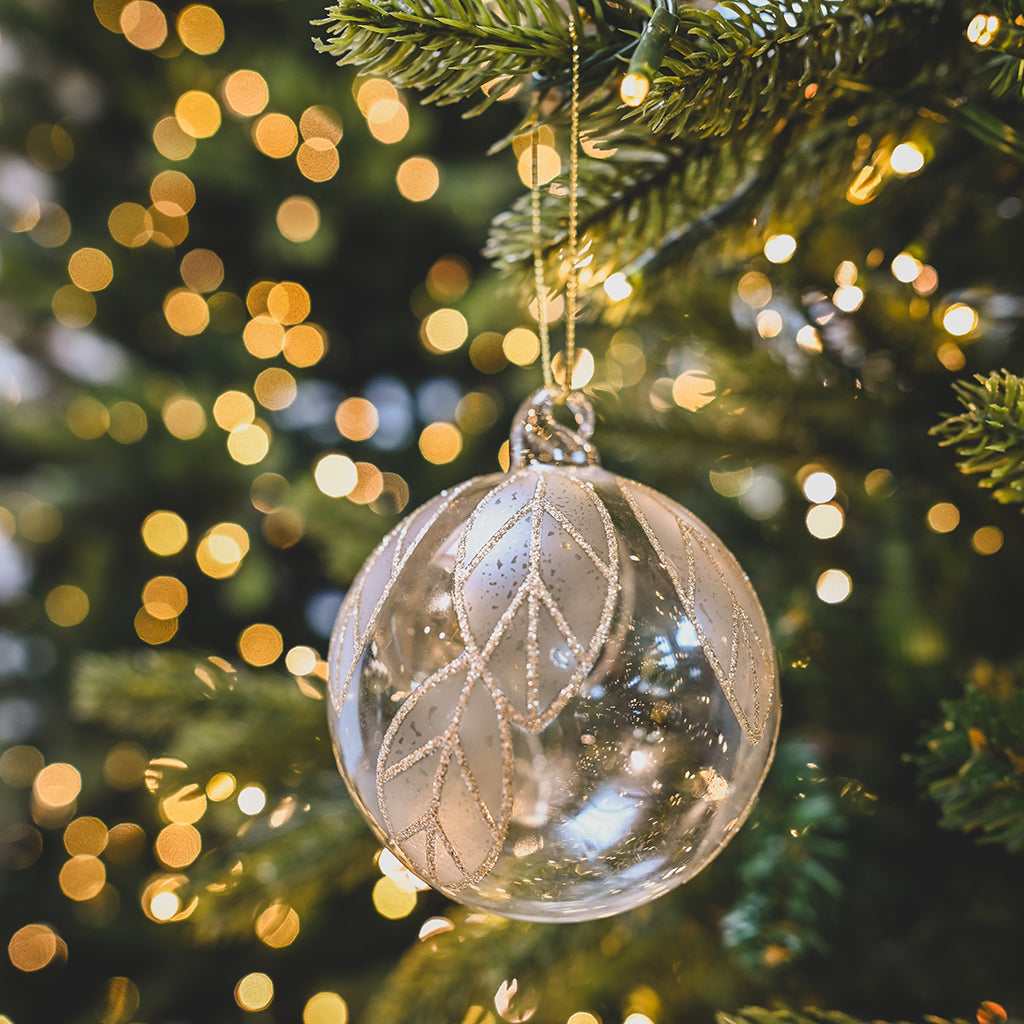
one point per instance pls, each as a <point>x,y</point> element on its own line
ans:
<point>572,284</point>
<point>538,262</point>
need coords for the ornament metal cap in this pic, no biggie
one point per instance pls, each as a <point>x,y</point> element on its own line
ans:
<point>536,435</point>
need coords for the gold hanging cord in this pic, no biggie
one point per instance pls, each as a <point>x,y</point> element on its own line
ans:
<point>572,282</point>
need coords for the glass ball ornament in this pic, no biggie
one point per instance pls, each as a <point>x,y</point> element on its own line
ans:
<point>552,691</point>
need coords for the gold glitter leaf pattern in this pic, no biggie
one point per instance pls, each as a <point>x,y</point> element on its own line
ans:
<point>732,645</point>
<point>523,590</point>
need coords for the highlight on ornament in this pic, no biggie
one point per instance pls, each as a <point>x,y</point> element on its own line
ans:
<point>553,693</point>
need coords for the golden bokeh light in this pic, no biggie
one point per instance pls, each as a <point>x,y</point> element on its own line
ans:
<point>52,227</point>
<point>321,122</point>
<point>317,159</point>
<point>960,320</point>
<point>200,28</point>
<point>298,219</point>
<point>130,225</point>
<point>171,140</point>
<point>779,248</point>
<point>769,323</point>
<point>173,193</point>
<point>943,517</point>
<point>186,312</point>
<point>263,337</point>
<point>222,549</point>
<point>82,877</point>
<point>19,765</point>
<point>304,345</point>
<point>256,297</point>
<point>905,267</point>
<point>476,412</point>
<point>177,845</point>
<point>906,158</point>
<point>833,586</point>
<point>369,484</point>
<point>128,422</point>
<point>164,533</point>
<point>34,946</point>
<point>417,178</point>
<point>754,289</point>
<point>164,597</point>
<point>126,841</point>
<point>582,371</point>
<point>951,355</point>
<point>67,605</point>
<point>198,113</point>
<point>152,630</point>
<point>169,230</point>
<point>388,121</point>
<point>161,901</point>
<point>818,485</point>
<point>108,14</point>
<point>260,644</point>
<point>440,443</point>
<point>202,270</point>
<point>124,766</point>
<point>90,269</point>
<point>487,354</point>
<point>445,330</point>
<point>693,390</point>
<point>284,528</point>
<point>72,306</point>
<point>275,135</point>
<point>808,338</point>
<point>335,475</point>
<point>301,661</point>
<point>249,444</point>
<point>325,1008</point>
<point>220,787</point>
<point>370,91</point>
<point>185,806</point>
<point>549,165</point>
<point>87,418</point>
<point>85,837</point>
<point>277,926</point>
<point>521,346</point>
<point>38,522</point>
<point>246,92</point>
<point>269,492</point>
<point>448,279</point>
<point>357,419</point>
<point>275,388</point>
<point>254,992</point>
<point>57,785</point>
<point>183,417</point>
<point>288,303</point>
<point>848,297</point>
<point>392,899</point>
<point>825,521</point>
<point>143,24</point>
<point>233,409</point>
<point>582,1017</point>
<point>251,800</point>
<point>987,540</point>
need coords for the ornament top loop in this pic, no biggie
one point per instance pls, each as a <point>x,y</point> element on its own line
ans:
<point>538,437</point>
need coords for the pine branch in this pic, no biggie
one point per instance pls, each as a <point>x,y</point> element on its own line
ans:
<point>204,719</point>
<point>973,765</point>
<point>757,1015</point>
<point>989,434</point>
<point>449,48</point>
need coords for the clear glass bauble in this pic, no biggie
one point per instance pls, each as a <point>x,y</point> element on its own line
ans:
<point>553,692</point>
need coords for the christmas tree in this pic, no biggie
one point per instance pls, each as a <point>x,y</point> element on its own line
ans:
<point>255,308</point>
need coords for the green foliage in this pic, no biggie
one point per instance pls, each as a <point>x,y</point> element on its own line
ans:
<point>203,718</point>
<point>973,764</point>
<point>989,433</point>
<point>450,49</point>
<point>758,1015</point>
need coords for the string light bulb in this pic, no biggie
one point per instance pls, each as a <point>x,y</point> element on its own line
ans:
<point>648,55</point>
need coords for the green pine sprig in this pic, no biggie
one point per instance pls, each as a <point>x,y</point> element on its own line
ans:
<point>989,433</point>
<point>972,764</point>
<point>758,1015</point>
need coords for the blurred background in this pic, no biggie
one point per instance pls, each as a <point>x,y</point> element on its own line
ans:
<point>245,326</point>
